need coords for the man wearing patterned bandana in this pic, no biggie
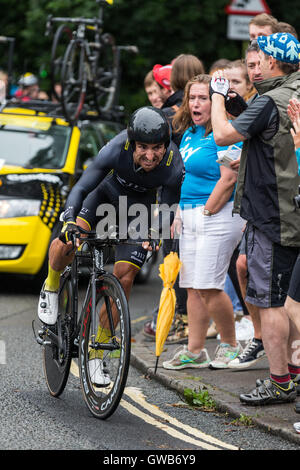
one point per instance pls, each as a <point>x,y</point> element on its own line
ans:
<point>267,183</point>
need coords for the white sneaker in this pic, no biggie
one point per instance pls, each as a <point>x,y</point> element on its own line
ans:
<point>224,354</point>
<point>244,330</point>
<point>184,359</point>
<point>98,374</point>
<point>48,307</point>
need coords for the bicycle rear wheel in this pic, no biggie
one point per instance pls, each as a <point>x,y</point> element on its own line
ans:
<point>57,360</point>
<point>113,349</point>
<point>107,73</point>
<point>73,80</point>
<point>62,38</point>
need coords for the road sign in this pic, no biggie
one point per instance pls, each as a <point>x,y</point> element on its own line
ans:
<point>240,13</point>
<point>238,27</point>
<point>247,7</point>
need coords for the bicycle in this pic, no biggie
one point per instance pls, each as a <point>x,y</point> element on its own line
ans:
<point>88,70</point>
<point>75,335</point>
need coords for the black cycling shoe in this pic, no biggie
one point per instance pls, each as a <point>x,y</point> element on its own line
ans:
<point>296,381</point>
<point>269,393</point>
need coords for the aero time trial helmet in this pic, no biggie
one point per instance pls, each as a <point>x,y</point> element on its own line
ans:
<point>148,125</point>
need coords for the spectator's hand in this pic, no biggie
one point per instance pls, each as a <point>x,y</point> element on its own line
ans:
<point>176,227</point>
<point>293,109</point>
<point>295,131</point>
<point>235,104</point>
<point>219,84</point>
<point>235,164</point>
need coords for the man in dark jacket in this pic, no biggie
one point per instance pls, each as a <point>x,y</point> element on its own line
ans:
<point>267,183</point>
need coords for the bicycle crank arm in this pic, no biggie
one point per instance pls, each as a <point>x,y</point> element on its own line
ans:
<point>40,338</point>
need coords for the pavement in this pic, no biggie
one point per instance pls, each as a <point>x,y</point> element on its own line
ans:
<point>224,386</point>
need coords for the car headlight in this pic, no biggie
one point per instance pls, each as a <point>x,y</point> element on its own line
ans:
<point>11,251</point>
<point>19,207</point>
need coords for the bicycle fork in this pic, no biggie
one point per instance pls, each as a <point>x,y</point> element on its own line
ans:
<point>98,269</point>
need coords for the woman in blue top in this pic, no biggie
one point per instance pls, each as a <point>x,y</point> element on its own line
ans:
<point>209,232</point>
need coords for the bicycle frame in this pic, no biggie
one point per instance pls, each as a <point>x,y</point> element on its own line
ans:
<point>104,316</point>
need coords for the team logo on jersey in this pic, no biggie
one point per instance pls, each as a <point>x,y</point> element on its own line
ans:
<point>170,158</point>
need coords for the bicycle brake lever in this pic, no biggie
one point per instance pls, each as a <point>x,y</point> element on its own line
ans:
<point>73,240</point>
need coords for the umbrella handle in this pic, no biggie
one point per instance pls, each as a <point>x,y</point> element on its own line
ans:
<point>156,364</point>
<point>175,245</point>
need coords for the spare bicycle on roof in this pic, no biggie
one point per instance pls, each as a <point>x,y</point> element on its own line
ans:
<point>85,61</point>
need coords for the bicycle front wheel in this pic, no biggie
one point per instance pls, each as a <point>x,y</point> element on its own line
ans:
<point>62,38</point>
<point>105,341</point>
<point>57,358</point>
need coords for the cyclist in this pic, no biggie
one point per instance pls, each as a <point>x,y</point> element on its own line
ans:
<point>134,164</point>
<point>29,88</point>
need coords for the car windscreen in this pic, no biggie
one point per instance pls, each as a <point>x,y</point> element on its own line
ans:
<point>34,148</point>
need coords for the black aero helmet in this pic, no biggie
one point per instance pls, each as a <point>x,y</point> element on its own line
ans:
<point>148,125</point>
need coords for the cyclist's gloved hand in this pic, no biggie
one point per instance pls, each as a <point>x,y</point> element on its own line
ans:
<point>68,232</point>
<point>155,244</point>
<point>152,245</point>
<point>219,85</point>
<point>235,105</point>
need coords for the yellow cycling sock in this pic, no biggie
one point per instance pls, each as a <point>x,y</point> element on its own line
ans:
<point>103,335</point>
<point>52,281</point>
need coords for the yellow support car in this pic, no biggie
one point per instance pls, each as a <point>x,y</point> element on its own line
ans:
<point>41,158</point>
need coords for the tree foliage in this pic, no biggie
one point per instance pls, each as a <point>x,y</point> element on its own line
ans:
<point>162,29</point>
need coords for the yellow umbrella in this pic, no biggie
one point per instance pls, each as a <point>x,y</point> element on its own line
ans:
<point>168,271</point>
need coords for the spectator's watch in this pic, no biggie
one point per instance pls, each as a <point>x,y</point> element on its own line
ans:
<point>207,212</point>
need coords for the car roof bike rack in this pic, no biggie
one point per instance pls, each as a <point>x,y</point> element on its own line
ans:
<point>115,114</point>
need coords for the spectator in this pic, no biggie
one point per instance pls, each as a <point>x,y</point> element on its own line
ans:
<point>218,65</point>
<point>29,88</point>
<point>253,65</point>
<point>254,350</point>
<point>3,85</point>
<point>56,93</point>
<point>183,68</point>
<point>209,232</point>
<point>287,28</point>
<point>236,73</point>
<point>162,76</point>
<point>152,90</point>
<point>294,114</point>
<point>42,95</point>
<point>262,25</point>
<point>267,183</point>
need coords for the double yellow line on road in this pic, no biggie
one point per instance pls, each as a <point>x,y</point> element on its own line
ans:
<point>165,422</point>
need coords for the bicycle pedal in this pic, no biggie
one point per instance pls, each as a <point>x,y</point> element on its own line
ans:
<point>40,336</point>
